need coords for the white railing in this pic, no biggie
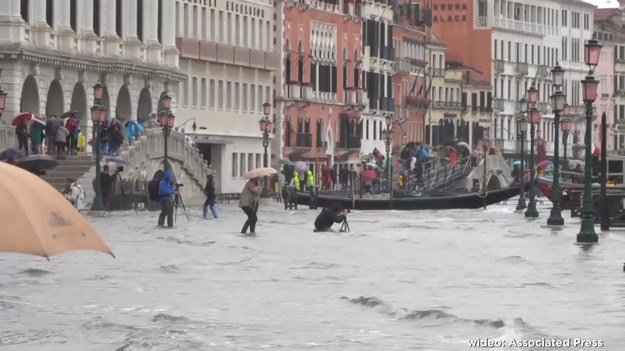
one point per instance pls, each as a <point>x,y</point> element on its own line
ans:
<point>150,146</point>
<point>7,136</point>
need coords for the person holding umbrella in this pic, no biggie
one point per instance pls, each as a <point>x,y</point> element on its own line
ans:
<point>250,196</point>
<point>21,130</point>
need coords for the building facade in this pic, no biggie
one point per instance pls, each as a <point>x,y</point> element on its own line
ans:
<point>604,72</point>
<point>320,93</point>
<point>609,31</point>
<point>378,65</point>
<point>54,51</point>
<point>227,51</point>
<point>515,44</point>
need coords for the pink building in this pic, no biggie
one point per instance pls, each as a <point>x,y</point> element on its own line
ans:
<point>605,97</point>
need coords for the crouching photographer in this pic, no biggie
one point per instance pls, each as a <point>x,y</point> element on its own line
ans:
<point>330,215</point>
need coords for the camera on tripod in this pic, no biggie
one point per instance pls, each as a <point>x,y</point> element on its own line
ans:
<point>120,169</point>
<point>179,185</point>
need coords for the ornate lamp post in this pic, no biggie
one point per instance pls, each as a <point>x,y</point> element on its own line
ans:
<point>98,117</point>
<point>166,120</point>
<point>565,125</point>
<point>265,127</point>
<point>534,118</point>
<point>522,130</point>
<point>3,96</point>
<point>587,232</point>
<point>387,135</point>
<point>558,100</point>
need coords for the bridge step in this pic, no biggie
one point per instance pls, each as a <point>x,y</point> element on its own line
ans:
<point>70,167</point>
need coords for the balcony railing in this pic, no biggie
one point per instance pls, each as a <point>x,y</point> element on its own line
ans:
<point>482,21</point>
<point>417,102</point>
<point>303,140</point>
<point>446,105</point>
<point>543,72</point>
<point>439,72</point>
<point>499,66</point>
<point>521,68</point>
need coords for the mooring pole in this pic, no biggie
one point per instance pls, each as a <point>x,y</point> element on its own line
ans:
<point>605,216</point>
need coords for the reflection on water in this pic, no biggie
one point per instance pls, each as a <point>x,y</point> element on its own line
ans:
<point>397,281</point>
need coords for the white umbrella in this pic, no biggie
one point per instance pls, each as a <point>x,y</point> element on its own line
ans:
<point>260,172</point>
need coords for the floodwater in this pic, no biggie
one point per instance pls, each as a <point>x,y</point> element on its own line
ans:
<point>398,281</point>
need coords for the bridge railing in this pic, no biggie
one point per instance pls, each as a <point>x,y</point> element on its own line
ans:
<point>7,136</point>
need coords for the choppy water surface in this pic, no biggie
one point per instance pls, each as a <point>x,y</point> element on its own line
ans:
<point>399,281</point>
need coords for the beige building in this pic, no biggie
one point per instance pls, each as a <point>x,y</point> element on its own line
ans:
<point>227,51</point>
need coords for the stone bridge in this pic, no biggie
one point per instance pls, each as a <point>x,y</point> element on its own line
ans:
<point>144,158</point>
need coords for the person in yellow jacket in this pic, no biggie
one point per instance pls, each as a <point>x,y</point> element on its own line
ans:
<point>81,145</point>
<point>310,180</point>
<point>296,181</point>
<point>401,181</point>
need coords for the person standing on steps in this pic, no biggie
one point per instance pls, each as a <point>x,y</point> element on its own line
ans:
<point>166,194</point>
<point>250,196</point>
<point>22,135</point>
<point>209,191</point>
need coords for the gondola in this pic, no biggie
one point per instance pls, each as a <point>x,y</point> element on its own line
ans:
<point>447,201</point>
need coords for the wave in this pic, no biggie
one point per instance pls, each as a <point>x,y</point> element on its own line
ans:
<point>170,268</point>
<point>443,317</point>
<point>34,272</point>
<point>169,318</point>
<point>514,259</point>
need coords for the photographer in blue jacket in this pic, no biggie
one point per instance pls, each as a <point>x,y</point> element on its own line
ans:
<point>166,193</point>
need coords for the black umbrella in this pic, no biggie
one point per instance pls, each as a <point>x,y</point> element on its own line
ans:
<point>38,163</point>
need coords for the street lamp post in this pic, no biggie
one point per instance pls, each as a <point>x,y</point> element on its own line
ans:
<point>387,134</point>
<point>166,121</point>
<point>522,130</point>
<point>265,127</point>
<point>587,232</point>
<point>533,118</point>
<point>3,96</point>
<point>98,117</point>
<point>565,125</point>
<point>558,100</point>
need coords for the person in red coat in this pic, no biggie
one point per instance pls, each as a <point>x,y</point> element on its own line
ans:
<point>72,126</point>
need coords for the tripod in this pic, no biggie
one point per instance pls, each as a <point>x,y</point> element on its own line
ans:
<point>178,199</point>
<point>118,178</point>
<point>344,226</point>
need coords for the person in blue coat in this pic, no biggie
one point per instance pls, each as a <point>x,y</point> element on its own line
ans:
<point>133,129</point>
<point>166,192</point>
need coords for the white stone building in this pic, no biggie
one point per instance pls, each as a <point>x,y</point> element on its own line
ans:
<point>378,63</point>
<point>53,51</point>
<point>227,51</point>
<point>529,37</point>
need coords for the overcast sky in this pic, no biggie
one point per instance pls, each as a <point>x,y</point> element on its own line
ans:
<point>604,3</point>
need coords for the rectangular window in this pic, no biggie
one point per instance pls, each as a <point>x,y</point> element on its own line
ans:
<point>204,24</point>
<point>212,27</point>
<point>228,96</point>
<point>187,16</point>
<point>72,13</point>
<point>196,26</point>
<point>194,92</point>
<point>229,27</point>
<point>118,18</point>
<point>203,93</point>
<point>245,101</point>
<point>220,27</point>
<point>268,94</point>
<point>260,99</point>
<point>185,92</point>
<point>250,162</point>
<point>245,31</point>
<point>211,93</point>
<point>253,105</point>
<point>220,95</point>
<point>237,30</point>
<point>235,164</point>
<point>258,164</point>
<point>261,36</point>
<point>237,93</point>
<point>140,20</point>
<point>242,164</point>
<point>268,35</point>
<point>254,39</point>
<point>96,18</point>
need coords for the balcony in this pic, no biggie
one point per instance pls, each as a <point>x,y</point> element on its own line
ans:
<point>355,98</point>
<point>303,140</point>
<point>543,72</point>
<point>543,107</point>
<point>481,21</point>
<point>498,104</point>
<point>293,91</point>
<point>521,69</point>
<point>439,72</point>
<point>447,105</point>
<point>480,109</point>
<point>509,23</point>
<point>417,102</point>
<point>402,65</point>
<point>499,66</point>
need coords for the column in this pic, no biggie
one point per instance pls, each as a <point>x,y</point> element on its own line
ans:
<point>64,33</point>
<point>169,33</point>
<point>131,43</point>
<point>39,29</point>
<point>111,46</point>
<point>87,41</point>
<point>11,22</point>
<point>150,34</point>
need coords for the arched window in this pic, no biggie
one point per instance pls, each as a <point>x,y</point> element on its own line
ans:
<point>356,69</point>
<point>300,63</point>
<point>96,17</point>
<point>345,70</point>
<point>118,17</point>
<point>73,13</point>
<point>140,19</point>
<point>50,13</point>
<point>287,63</point>
<point>24,10</point>
<point>159,29</point>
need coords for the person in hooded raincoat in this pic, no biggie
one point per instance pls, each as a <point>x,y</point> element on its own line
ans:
<point>133,129</point>
<point>166,194</point>
<point>310,180</point>
<point>36,136</point>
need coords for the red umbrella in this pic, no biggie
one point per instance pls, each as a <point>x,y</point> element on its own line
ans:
<point>543,164</point>
<point>369,174</point>
<point>21,117</point>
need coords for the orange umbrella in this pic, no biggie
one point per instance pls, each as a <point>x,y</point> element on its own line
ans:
<point>36,219</point>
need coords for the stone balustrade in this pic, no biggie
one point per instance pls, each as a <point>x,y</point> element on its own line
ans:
<point>7,136</point>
